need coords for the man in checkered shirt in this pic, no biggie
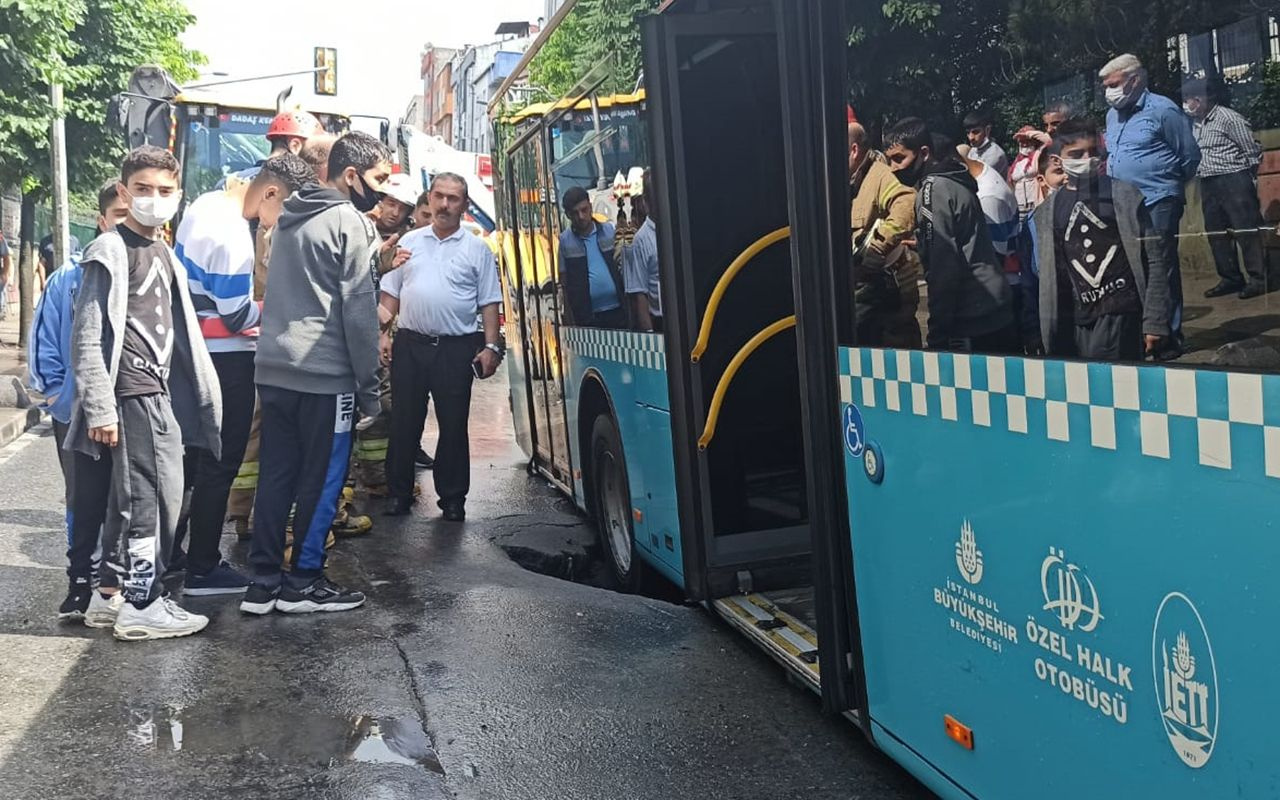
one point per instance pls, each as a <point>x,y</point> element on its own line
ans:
<point>1228,190</point>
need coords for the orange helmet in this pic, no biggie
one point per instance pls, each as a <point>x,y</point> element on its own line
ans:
<point>294,123</point>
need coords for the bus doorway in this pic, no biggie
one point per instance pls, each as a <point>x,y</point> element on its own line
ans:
<point>736,170</point>
<point>739,455</point>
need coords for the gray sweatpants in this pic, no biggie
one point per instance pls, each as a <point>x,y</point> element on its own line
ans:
<point>146,495</point>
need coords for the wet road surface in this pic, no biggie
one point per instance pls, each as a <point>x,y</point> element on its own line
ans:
<point>464,675</point>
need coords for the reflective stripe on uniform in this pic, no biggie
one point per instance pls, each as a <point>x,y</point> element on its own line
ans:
<point>372,449</point>
<point>246,477</point>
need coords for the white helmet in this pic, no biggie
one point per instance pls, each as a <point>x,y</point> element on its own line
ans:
<point>403,188</point>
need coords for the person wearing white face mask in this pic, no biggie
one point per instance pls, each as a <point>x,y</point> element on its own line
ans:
<point>145,386</point>
<point>1103,287</point>
<point>1153,148</point>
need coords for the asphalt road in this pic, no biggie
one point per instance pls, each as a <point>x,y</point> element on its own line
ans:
<point>464,676</point>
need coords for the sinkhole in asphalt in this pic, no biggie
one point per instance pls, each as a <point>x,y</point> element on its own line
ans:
<point>281,735</point>
<point>571,552</point>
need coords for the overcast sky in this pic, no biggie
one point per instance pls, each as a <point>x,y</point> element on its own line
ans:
<point>379,43</point>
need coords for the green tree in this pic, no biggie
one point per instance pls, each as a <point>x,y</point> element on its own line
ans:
<point>90,47</point>
<point>594,32</point>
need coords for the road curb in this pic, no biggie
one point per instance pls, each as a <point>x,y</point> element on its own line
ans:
<point>16,421</point>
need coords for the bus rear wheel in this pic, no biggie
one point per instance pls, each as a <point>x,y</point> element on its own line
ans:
<point>612,496</point>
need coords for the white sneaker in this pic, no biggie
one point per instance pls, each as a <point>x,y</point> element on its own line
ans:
<point>103,611</point>
<point>163,619</point>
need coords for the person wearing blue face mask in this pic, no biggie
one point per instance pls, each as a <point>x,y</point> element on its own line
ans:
<point>1153,148</point>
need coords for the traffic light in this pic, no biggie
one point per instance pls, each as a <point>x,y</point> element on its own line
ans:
<point>327,70</point>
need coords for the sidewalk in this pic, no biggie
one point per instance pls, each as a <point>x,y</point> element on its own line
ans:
<point>14,421</point>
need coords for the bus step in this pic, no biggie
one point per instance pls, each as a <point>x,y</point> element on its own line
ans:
<point>787,639</point>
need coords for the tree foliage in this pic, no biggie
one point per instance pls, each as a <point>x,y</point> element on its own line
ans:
<point>90,47</point>
<point>939,59</point>
<point>594,32</point>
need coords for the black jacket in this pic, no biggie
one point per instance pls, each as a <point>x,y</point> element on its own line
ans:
<point>968,293</point>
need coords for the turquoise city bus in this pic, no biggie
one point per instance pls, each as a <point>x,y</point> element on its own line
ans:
<point>1016,573</point>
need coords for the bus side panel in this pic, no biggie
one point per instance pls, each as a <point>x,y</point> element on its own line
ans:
<point>517,375</point>
<point>633,367</point>
<point>1075,561</point>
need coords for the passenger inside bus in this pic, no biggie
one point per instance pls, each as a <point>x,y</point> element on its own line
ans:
<point>588,267</point>
<point>640,268</point>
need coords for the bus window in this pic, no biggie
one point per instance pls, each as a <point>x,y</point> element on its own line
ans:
<point>589,144</point>
<point>1066,200</point>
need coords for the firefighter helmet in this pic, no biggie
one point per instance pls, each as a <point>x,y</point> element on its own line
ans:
<point>294,123</point>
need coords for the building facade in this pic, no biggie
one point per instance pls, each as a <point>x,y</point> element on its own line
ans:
<point>437,91</point>
<point>477,71</point>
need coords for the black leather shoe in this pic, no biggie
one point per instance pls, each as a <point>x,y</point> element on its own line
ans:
<point>400,507</point>
<point>1223,289</point>
<point>422,460</point>
<point>453,512</point>
<point>1254,289</point>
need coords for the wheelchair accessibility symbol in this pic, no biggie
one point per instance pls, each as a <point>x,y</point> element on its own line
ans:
<point>854,437</point>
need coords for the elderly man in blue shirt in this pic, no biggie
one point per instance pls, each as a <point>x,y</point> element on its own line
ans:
<point>1152,147</point>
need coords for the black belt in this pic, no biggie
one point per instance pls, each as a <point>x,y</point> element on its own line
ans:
<point>434,340</point>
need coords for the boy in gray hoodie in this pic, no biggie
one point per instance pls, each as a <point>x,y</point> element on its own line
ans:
<point>145,386</point>
<point>317,362</point>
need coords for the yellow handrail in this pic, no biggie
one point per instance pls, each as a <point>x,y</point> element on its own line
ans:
<point>704,332</point>
<point>717,399</point>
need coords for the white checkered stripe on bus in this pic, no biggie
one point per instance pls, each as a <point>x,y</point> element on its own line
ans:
<point>643,350</point>
<point>1224,420</point>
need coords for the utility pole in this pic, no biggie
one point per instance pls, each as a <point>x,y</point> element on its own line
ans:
<point>58,157</point>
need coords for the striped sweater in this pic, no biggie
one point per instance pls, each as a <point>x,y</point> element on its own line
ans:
<point>216,247</point>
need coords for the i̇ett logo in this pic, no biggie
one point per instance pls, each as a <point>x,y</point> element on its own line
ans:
<point>1186,679</point>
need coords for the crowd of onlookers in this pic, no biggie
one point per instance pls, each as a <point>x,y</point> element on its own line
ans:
<point>1070,247</point>
<point>308,310</point>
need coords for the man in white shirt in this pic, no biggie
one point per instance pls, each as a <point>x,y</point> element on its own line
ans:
<point>640,267</point>
<point>450,277</point>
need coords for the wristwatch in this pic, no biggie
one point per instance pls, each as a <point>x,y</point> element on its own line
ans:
<point>494,347</point>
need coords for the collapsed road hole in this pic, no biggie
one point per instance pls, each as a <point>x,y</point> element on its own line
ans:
<point>569,550</point>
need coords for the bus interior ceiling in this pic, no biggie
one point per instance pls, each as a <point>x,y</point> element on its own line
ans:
<point>735,179</point>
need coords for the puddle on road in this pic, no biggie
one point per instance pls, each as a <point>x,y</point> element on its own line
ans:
<point>325,739</point>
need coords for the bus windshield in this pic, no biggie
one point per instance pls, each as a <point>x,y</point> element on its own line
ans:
<point>218,146</point>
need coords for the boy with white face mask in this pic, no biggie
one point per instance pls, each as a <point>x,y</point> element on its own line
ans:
<point>1103,287</point>
<point>145,386</point>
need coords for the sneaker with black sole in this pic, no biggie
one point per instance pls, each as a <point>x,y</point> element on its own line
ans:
<point>260,599</point>
<point>222,579</point>
<point>79,594</point>
<point>422,460</point>
<point>160,619</point>
<point>321,594</point>
<point>103,610</point>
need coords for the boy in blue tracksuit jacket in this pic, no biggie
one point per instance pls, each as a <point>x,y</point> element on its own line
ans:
<point>87,479</point>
